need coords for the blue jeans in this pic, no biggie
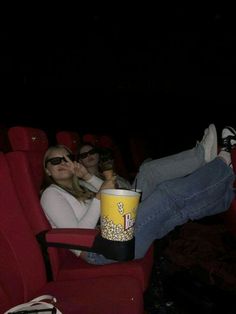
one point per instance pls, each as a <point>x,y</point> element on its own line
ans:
<point>167,168</point>
<point>204,192</point>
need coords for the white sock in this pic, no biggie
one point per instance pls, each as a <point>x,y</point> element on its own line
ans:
<point>226,156</point>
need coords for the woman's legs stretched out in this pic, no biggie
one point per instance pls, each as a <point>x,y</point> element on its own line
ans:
<point>177,165</point>
<point>205,192</point>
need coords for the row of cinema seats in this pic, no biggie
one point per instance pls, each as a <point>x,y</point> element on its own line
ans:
<point>23,164</point>
<point>22,269</point>
<point>73,139</point>
<point>136,149</point>
<point>28,269</point>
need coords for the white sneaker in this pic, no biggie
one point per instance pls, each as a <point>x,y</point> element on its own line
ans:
<point>228,138</point>
<point>209,143</point>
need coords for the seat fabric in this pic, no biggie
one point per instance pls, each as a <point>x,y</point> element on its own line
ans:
<point>23,276</point>
<point>70,139</point>
<point>26,169</point>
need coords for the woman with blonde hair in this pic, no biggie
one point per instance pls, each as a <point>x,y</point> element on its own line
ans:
<point>188,192</point>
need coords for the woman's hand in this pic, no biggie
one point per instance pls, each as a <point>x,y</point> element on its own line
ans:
<point>81,171</point>
<point>107,184</point>
<point>77,169</point>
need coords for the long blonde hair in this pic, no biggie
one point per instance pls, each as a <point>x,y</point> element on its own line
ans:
<point>79,192</point>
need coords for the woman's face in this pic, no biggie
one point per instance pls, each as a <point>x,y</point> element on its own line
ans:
<point>57,166</point>
<point>89,156</point>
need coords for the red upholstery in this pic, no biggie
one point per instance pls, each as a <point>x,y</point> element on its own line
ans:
<point>4,142</point>
<point>5,300</point>
<point>82,237</point>
<point>91,138</point>
<point>27,168</point>
<point>106,141</point>
<point>230,215</point>
<point>233,158</point>
<point>69,139</point>
<point>1,138</point>
<point>27,139</point>
<point>65,264</point>
<point>22,271</point>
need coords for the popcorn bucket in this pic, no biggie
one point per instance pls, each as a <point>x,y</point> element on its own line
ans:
<point>138,191</point>
<point>118,214</point>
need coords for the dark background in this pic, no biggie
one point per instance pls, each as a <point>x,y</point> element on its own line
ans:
<point>162,73</point>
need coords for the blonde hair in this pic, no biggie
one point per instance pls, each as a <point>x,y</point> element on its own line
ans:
<point>79,192</point>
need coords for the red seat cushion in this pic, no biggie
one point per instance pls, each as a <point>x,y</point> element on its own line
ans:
<point>26,170</point>
<point>23,276</point>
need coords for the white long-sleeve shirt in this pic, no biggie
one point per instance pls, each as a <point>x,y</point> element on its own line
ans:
<point>63,210</point>
<point>121,182</point>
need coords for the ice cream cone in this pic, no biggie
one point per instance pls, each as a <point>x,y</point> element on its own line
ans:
<point>108,174</point>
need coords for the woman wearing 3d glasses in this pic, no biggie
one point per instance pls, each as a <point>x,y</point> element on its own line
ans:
<point>197,183</point>
<point>96,161</point>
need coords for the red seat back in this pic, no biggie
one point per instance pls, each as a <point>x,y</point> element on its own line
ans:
<point>230,215</point>
<point>69,139</point>
<point>233,159</point>
<point>27,171</point>
<point>22,271</point>
<point>26,167</point>
<point>91,138</point>
<point>4,142</point>
<point>25,161</point>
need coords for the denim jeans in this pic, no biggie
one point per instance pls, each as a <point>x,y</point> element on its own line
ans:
<point>204,192</point>
<point>174,166</point>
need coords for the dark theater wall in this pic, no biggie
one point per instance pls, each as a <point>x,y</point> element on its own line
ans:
<point>162,73</point>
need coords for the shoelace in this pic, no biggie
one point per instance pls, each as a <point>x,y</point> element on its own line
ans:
<point>226,142</point>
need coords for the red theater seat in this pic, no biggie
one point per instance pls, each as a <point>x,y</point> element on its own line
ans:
<point>70,139</point>
<point>230,215</point>
<point>23,275</point>
<point>91,138</point>
<point>25,163</point>
<point>4,142</point>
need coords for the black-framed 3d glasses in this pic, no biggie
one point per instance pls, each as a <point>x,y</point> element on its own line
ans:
<point>86,154</point>
<point>57,160</point>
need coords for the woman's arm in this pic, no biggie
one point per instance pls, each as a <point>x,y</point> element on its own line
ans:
<point>65,211</point>
<point>95,182</point>
<point>86,179</point>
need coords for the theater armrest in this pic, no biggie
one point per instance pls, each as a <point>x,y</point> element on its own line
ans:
<point>87,240</point>
<point>77,237</point>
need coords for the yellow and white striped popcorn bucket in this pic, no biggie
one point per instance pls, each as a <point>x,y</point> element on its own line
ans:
<point>118,214</point>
